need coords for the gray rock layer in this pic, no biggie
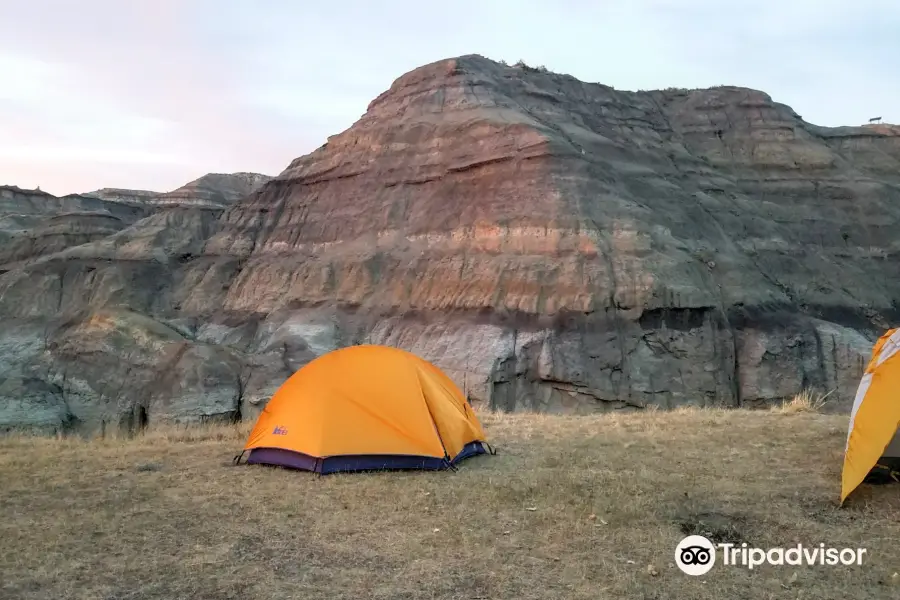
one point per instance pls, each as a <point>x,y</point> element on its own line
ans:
<point>554,245</point>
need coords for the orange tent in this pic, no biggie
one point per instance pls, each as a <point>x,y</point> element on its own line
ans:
<point>873,436</point>
<point>364,408</point>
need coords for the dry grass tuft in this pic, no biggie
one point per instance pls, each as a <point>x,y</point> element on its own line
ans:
<point>570,507</point>
<point>807,401</point>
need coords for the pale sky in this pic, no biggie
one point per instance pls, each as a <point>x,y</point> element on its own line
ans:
<point>150,94</point>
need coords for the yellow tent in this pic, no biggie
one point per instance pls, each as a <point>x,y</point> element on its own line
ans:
<point>366,408</point>
<point>873,439</point>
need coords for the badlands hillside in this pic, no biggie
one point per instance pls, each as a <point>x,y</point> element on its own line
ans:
<point>554,245</point>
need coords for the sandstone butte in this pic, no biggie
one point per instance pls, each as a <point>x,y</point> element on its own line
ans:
<point>554,245</point>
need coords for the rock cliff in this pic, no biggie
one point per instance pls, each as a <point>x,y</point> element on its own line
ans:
<point>35,223</point>
<point>552,244</point>
<point>214,190</point>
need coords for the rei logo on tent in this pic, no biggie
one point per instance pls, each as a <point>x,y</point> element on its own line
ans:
<point>279,430</point>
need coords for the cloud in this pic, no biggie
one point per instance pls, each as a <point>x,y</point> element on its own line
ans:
<point>47,101</point>
<point>116,83</point>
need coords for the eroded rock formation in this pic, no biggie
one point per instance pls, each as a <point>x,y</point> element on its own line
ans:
<point>213,190</point>
<point>552,244</point>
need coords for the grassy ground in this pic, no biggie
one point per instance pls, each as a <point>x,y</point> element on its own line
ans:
<point>568,508</point>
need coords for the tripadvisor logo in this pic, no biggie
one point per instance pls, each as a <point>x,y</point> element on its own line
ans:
<point>696,555</point>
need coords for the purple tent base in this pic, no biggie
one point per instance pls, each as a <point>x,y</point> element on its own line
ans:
<point>366,462</point>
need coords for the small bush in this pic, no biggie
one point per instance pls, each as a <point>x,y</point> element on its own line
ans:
<point>521,64</point>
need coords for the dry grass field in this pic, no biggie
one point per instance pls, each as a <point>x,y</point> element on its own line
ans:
<point>589,507</point>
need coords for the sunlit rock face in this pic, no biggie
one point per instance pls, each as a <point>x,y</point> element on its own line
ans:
<point>553,245</point>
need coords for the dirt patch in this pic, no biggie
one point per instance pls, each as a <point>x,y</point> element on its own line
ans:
<point>148,468</point>
<point>717,527</point>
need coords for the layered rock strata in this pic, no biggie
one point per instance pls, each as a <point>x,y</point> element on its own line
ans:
<point>554,245</point>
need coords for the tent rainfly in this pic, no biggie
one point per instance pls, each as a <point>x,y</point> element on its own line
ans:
<point>363,408</point>
<point>872,452</point>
